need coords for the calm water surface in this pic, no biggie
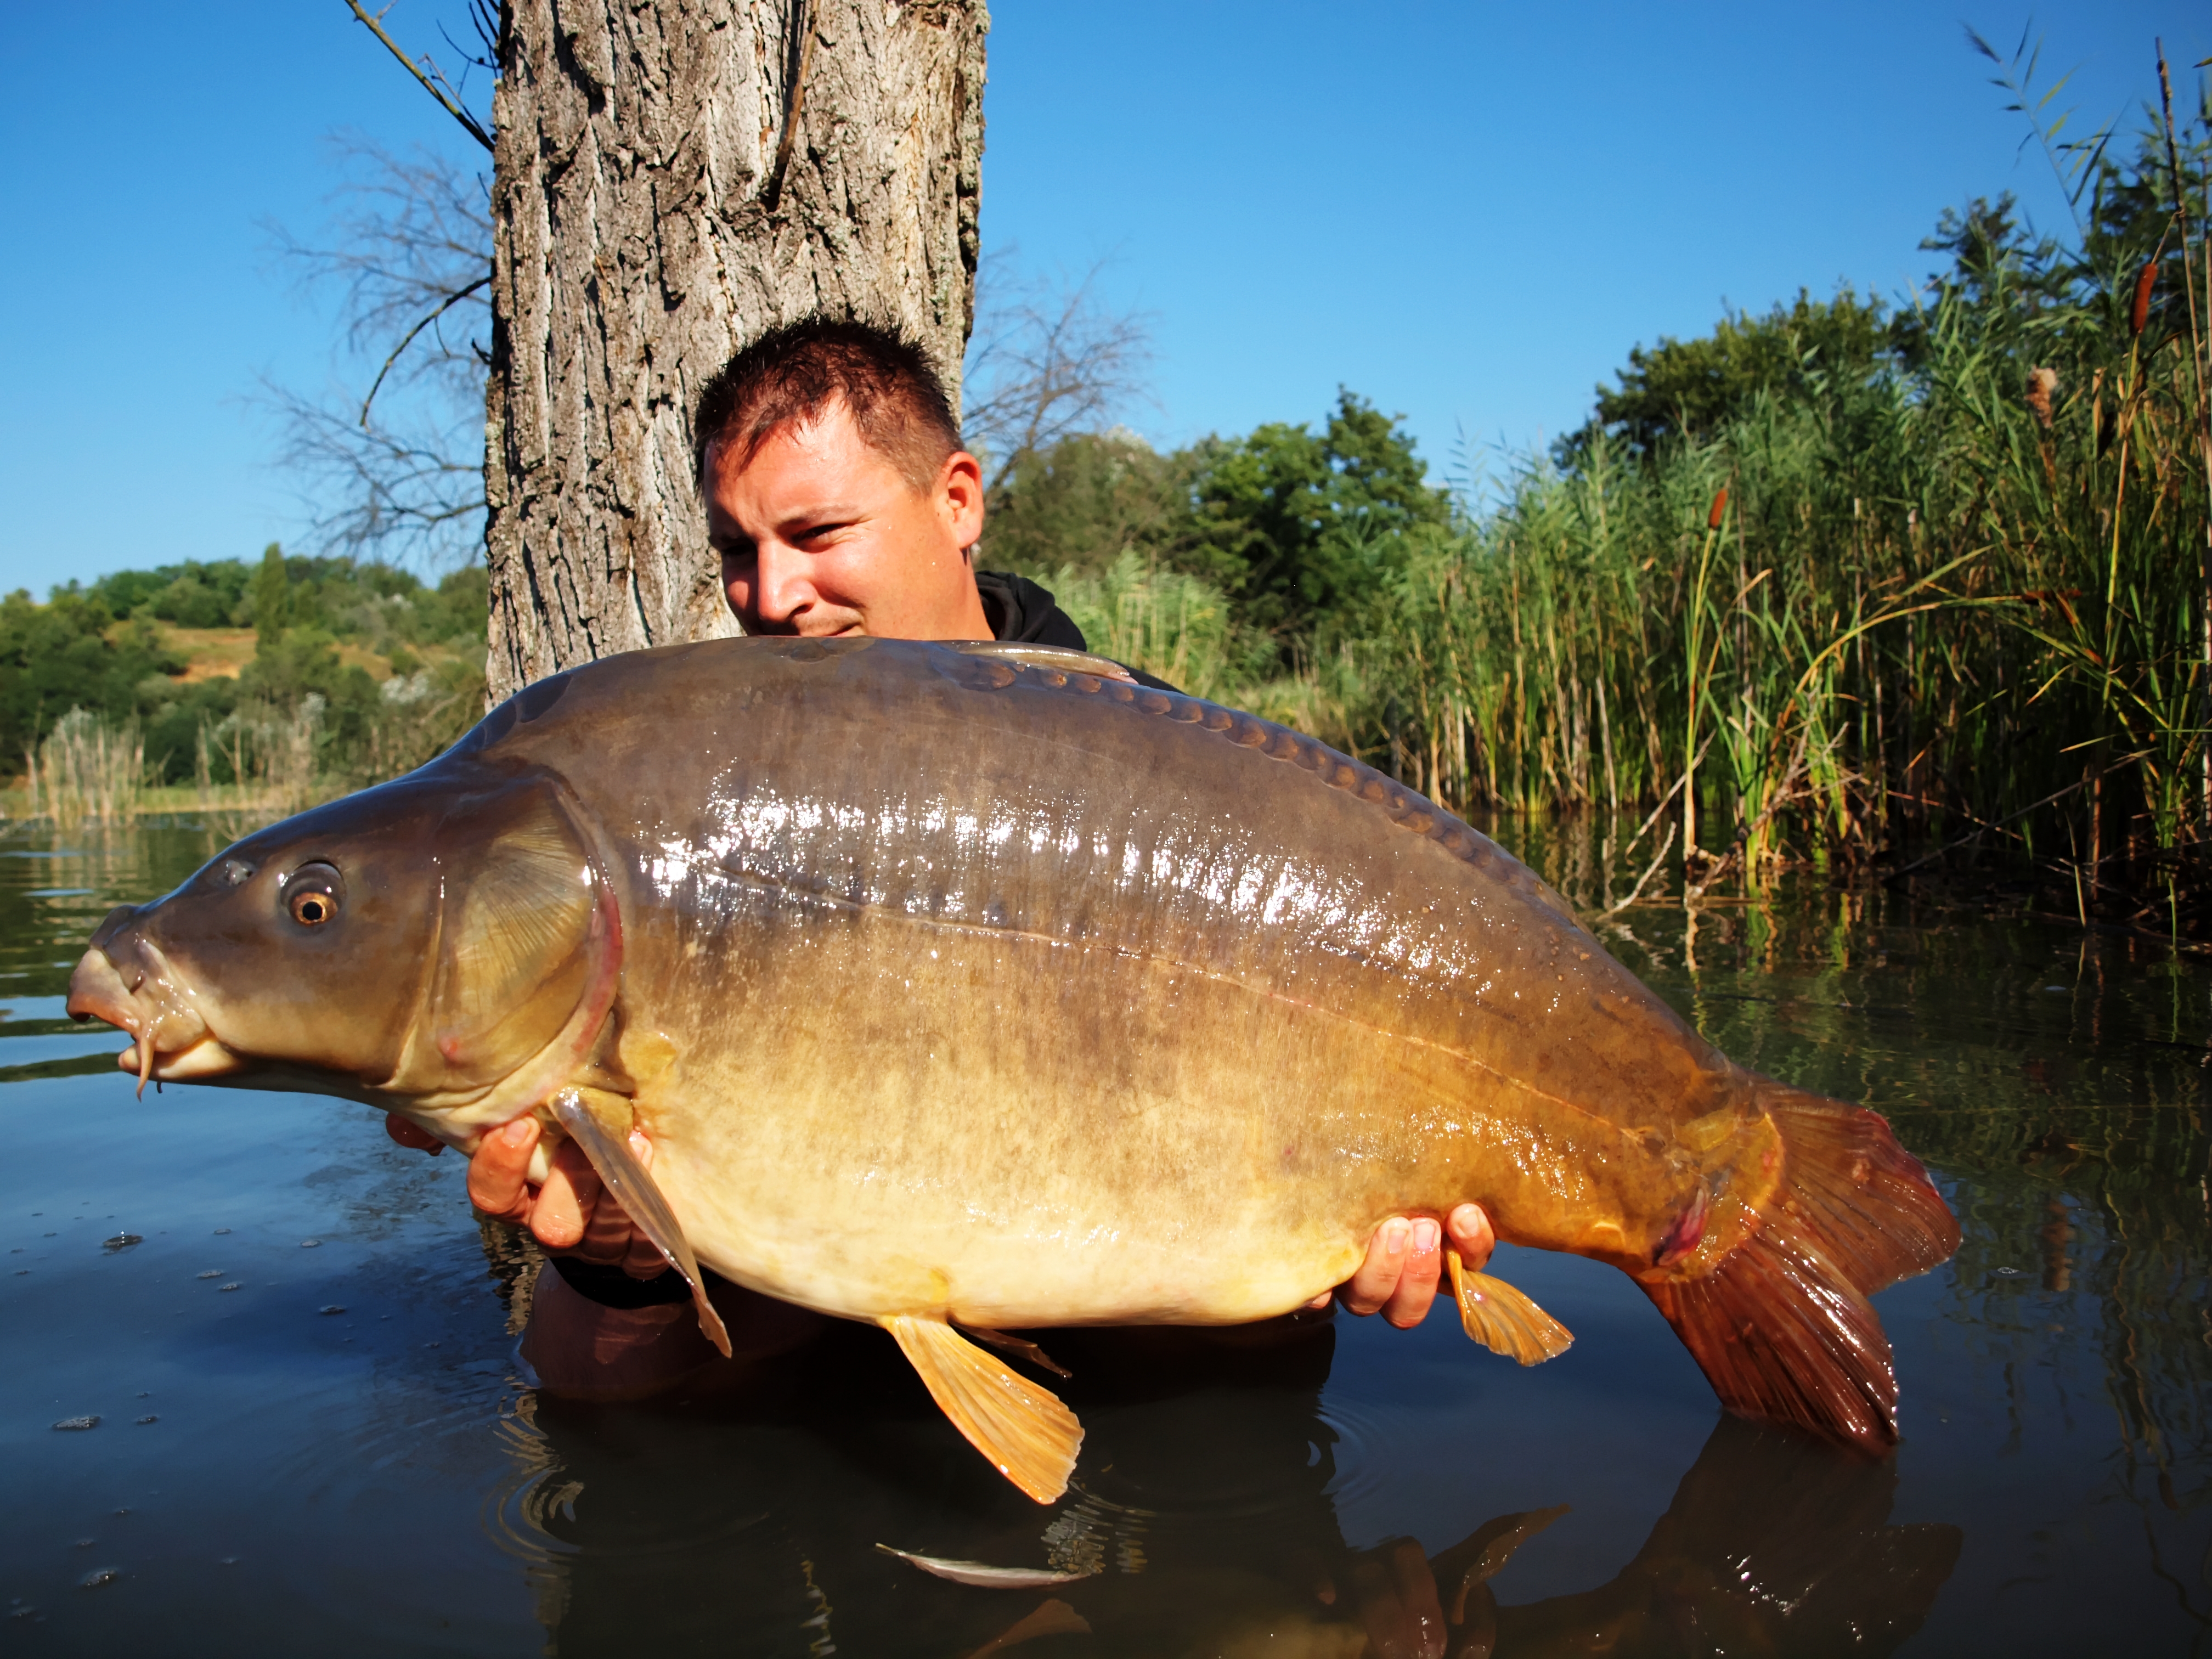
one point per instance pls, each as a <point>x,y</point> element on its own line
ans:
<point>313,1434</point>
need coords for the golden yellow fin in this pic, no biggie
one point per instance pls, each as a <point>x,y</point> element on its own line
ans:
<point>1029,1436</point>
<point>1502,1319</point>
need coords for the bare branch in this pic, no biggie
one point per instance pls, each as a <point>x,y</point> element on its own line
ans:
<point>1048,360</point>
<point>421,488</point>
<point>401,470</point>
<point>444,306</point>
<point>433,82</point>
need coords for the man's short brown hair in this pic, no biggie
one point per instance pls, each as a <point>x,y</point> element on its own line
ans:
<point>794,373</point>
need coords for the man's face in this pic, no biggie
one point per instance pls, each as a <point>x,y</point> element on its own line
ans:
<point>820,535</point>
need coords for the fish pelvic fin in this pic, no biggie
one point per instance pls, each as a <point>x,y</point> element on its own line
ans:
<point>1781,1324</point>
<point>1503,1319</point>
<point>641,1200</point>
<point>1024,1429</point>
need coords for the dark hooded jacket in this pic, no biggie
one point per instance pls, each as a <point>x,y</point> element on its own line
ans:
<point>1021,612</point>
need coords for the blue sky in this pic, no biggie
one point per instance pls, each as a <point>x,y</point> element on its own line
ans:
<point>1467,213</point>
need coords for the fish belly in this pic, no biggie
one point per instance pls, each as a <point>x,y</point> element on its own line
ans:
<point>899,1116</point>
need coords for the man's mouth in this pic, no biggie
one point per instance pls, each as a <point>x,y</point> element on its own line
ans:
<point>170,1042</point>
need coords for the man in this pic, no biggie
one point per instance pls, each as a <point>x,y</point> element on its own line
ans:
<point>842,503</point>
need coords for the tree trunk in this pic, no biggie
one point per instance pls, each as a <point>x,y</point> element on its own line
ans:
<point>651,215</point>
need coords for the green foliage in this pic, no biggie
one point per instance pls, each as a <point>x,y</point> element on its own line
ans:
<point>1690,389</point>
<point>1295,527</point>
<point>1082,501</point>
<point>272,594</point>
<point>1290,523</point>
<point>1167,622</point>
<point>101,649</point>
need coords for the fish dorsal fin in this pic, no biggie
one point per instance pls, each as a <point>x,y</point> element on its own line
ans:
<point>1503,1319</point>
<point>641,1200</point>
<point>1050,656</point>
<point>1029,1436</point>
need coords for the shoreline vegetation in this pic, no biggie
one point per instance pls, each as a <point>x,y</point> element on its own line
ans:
<point>1863,589</point>
<point>1873,591</point>
<point>237,692</point>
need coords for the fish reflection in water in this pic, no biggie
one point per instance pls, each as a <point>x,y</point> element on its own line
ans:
<point>1201,1518</point>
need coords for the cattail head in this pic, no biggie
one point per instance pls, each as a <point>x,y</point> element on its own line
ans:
<point>2140,315</point>
<point>2041,382</point>
<point>1720,509</point>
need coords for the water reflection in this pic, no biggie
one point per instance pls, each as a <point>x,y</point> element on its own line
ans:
<point>1203,1514</point>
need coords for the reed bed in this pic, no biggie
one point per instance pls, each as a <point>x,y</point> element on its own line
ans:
<point>1880,620</point>
<point>86,771</point>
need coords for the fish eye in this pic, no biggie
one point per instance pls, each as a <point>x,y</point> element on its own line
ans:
<point>313,894</point>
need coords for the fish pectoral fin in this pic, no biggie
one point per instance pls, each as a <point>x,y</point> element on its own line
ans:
<point>1017,1345</point>
<point>1503,1319</point>
<point>1029,1436</point>
<point>642,1201</point>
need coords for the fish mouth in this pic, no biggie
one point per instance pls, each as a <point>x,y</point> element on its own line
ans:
<point>142,996</point>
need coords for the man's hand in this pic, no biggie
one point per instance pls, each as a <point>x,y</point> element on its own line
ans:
<point>1405,1259</point>
<point>567,1215</point>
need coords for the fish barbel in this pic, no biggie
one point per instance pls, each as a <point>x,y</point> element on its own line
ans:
<point>977,989</point>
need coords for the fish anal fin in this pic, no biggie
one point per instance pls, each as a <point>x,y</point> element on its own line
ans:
<point>1503,1319</point>
<point>1026,1432</point>
<point>640,1197</point>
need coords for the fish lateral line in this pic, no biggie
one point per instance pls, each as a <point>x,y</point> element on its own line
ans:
<point>763,883</point>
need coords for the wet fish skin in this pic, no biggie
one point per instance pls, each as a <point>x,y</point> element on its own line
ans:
<point>956,986</point>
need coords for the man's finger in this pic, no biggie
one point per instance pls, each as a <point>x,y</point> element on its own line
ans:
<point>1471,1235</point>
<point>564,1204</point>
<point>410,1133</point>
<point>1370,1287</point>
<point>500,1168</point>
<point>1416,1289</point>
<point>644,1260</point>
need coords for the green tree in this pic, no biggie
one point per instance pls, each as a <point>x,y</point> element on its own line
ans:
<point>1289,522</point>
<point>273,595</point>
<point>1081,502</point>
<point>1690,389</point>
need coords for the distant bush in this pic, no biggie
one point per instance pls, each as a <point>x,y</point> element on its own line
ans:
<point>98,648</point>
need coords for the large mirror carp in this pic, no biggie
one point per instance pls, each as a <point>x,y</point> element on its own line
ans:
<point>977,988</point>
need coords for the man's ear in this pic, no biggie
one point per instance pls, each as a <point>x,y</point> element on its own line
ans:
<point>960,497</point>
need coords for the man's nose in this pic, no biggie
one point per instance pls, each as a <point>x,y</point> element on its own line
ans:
<point>782,582</point>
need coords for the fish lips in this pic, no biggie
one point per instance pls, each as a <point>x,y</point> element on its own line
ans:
<point>142,996</point>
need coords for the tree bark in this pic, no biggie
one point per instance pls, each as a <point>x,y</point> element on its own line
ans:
<point>653,214</point>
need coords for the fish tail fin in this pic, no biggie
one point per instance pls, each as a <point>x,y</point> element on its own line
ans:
<point>1030,1436</point>
<point>1869,1201</point>
<point>1781,1325</point>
